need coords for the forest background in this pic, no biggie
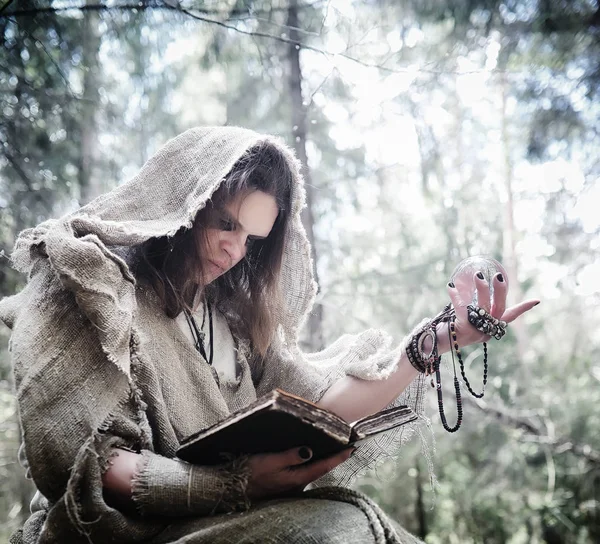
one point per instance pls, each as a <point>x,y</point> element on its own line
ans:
<point>429,131</point>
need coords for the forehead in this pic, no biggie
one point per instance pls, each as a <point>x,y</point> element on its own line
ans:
<point>255,212</point>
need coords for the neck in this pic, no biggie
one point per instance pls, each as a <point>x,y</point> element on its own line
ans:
<point>198,299</point>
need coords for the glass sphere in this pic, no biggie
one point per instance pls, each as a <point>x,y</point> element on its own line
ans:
<point>463,276</point>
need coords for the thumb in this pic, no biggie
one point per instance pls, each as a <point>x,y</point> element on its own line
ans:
<point>297,456</point>
<point>285,459</point>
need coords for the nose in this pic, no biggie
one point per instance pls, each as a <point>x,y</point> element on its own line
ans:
<point>235,247</point>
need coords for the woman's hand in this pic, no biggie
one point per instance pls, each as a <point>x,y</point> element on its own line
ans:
<point>278,473</point>
<point>461,295</point>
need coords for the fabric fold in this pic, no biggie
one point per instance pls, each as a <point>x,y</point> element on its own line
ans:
<point>104,288</point>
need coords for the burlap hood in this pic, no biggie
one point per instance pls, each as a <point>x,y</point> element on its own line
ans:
<point>166,195</point>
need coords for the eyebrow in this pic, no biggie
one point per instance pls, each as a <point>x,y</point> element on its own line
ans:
<point>229,217</point>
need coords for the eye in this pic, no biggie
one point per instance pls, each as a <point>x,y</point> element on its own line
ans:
<point>226,224</point>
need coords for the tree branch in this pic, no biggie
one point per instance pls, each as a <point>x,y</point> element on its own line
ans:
<point>534,433</point>
<point>50,58</point>
<point>157,5</point>
<point>194,14</point>
<point>7,3</point>
<point>17,168</point>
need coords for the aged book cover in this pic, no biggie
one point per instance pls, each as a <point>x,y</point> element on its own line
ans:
<point>280,421</point>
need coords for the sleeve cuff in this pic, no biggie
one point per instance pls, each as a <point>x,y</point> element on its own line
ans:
<point>171,487</point>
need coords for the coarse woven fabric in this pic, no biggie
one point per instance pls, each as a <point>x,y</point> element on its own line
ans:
<point>326,515</point>
<point>98,365</point>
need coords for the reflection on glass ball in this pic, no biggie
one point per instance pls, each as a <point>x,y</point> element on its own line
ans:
<point>463,275</point>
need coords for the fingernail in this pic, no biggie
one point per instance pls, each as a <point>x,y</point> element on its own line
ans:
<point>305,453</point>
<point>480,276</point>
<point>353,451</point>
<point>500,277</point>
<point>451,285</point>
<point>537,303</point>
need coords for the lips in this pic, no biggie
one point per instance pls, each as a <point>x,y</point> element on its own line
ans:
<point>222,266</point>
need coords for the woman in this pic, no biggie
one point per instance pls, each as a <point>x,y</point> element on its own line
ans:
<point>113,370</point>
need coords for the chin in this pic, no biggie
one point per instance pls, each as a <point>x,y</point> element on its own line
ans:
<point>209,278</point>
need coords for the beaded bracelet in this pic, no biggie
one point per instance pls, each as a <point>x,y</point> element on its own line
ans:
<point>429,363</point>
<point>486,323</point>
<point>421,361</point>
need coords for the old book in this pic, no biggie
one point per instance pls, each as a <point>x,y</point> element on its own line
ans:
<point>280,421</point>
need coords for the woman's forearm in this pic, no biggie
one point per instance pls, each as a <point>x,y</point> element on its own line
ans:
<point>353,398</point>
<point>157,485</point>
<point>119,476</point>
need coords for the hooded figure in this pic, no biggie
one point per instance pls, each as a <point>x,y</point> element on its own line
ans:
<point>99,365</point>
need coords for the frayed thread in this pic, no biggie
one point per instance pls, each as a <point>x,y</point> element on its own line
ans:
<point>72,497</point>
<point>235,475</point>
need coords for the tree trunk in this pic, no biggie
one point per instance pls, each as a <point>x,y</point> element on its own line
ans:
<point>89,182</point>
<point>515,293</point>
<point>299,131</point>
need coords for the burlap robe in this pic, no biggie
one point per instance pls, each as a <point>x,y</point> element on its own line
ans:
<point>98,365</point>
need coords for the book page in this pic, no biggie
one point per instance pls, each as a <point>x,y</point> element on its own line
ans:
<point>381,421</point>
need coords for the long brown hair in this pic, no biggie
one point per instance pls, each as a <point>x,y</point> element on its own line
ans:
<point>173,265</point>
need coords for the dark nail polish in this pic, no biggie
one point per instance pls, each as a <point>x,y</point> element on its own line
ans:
<point>451,285</point>
<point>537,302</point>
<point>305,453</point>
<point>500,277</point>
<point>353,452</point>
<point>480,276</point>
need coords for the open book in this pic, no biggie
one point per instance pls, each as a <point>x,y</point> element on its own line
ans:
<point>280,421</point>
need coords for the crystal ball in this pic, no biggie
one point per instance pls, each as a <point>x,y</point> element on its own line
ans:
<point>463,276</point>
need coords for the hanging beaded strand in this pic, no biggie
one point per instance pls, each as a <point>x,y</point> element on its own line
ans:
<point>438,378</point>
<point>429,363</point>
<point>461,364</point>
<point>459,409</point>
<point>456,349</point>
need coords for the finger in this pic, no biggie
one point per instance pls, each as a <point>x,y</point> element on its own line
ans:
<point>519,309</point>
<point>500,290</point>
<point>319,468</point>
<point>288,458</point>
<point>454,295</point>
<point>483,291</point>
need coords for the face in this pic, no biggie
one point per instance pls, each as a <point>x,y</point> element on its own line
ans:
<point>246,218</point>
